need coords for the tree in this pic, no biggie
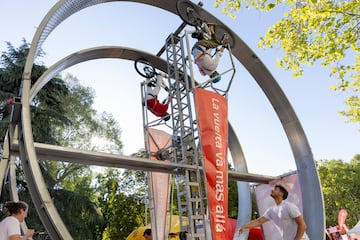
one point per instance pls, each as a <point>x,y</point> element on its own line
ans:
<point>341,190</point>
<point>12,63</point>
<point>72,181</point>
<point>87,129</point>
<point>312,31</point>
<point>123,209</point>
<point>62,114</point>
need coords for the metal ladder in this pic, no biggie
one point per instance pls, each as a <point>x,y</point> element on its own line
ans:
<point>191,194</point>
<point>160,154</point>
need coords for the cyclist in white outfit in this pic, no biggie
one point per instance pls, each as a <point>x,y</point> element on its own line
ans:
<point>203,56</point>
<point>152,102</point>
<point>285,215</point>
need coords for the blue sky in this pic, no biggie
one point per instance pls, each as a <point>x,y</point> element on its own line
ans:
<point>144,27</point>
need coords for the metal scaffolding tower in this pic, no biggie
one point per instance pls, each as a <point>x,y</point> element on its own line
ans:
<point>191,195</point>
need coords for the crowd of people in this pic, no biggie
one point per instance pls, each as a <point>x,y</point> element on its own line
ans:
<point>285,215</point>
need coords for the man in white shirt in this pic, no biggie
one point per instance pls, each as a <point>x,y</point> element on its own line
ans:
<point>285,215</point>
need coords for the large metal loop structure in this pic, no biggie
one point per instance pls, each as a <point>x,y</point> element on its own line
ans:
<point>30,152</point>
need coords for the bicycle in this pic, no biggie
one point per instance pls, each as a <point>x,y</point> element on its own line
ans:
<point>144,68</point>
<point>147,70</point>
<point>189,14</point>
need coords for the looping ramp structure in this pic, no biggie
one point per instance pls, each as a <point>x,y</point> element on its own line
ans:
<point>20,136</point>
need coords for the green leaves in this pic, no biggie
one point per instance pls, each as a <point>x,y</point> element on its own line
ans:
<point>62,114</point>
<point>121,199</point>
<point>340,185</point>
<point>270,6</point>
<point>315,31</point>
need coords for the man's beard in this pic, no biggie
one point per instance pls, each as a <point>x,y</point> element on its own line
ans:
<point>271,194</point>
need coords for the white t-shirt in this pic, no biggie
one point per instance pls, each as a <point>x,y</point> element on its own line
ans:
<point>283,216</point>
<point>8,227</point>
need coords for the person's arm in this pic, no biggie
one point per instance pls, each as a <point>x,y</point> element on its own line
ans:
<point>301,227</point>
<point>28,235</point>
<point>159,81</point>
<point>151,91</point>
<point>254,223</point>
<point>15,237</point>
<point>168,100</point>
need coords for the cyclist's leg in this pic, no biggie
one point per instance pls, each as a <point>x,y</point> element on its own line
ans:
<point>208,43</point>
<point>212,33</point>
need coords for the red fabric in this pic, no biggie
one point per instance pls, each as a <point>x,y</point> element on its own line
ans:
<point>231,228</point>
<point>157,108</point>
<point>213,126</point>
<point>255,234</point>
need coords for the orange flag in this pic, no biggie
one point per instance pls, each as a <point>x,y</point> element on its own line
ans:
<point>212,111</point>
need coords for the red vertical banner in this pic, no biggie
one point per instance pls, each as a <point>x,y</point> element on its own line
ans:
<point>212,119</point>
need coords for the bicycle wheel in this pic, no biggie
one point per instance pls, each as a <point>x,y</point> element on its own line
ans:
<point>144,68</point>
<point>188,13</point>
